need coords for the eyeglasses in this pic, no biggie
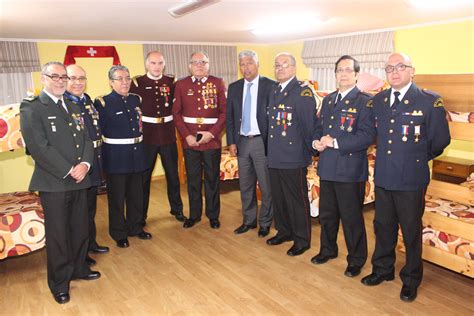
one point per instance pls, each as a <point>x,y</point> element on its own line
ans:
<point>56,77</point>
<point>198,62</point>
<point>346,70</point>
<point>280,66</point>
<point>126,79</point>
<point>399,67</point>
<point>79,79</point>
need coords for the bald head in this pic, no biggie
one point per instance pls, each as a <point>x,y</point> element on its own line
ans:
<point>77,80</point>
<point>399,70</point>
<point>155,63</point>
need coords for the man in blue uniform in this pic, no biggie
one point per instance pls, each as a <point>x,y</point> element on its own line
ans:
<point>159,133</point>
<point>247,134</point>
<point>292,121</point>
<point>75,93</point>
<point>123,157</point>
<point>344,132</point>
<point>54,134</point>
<point>411,130</point>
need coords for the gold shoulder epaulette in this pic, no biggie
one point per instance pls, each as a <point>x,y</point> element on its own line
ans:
<point>139,96</point>
<point>438,103</point>
<point>306,93</point>
<point>32,98</point>
<point>100,98</point>
<point>135,81</point>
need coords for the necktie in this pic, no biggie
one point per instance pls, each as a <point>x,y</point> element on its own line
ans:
<point>246,111</point>
<point>339,97</point>
<point>61,106</point>
<point>279,88</point>
<point>396,101</point>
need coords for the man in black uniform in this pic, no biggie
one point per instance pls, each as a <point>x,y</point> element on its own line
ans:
<point>54,134</point>
<point>292,122</point>
<point>75,93</point>
<point>411,130</point>
<point>344,132</point>
<point>159,134</point>
<point>123,157</point>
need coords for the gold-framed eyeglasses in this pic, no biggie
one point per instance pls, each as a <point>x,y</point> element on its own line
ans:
<point>56,77</point>
<point>398,67</point>
<point>78,79</point>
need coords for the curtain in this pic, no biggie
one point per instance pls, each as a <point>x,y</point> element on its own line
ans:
<point>222,59</point>
<point>19,57</point>
<point>371,50</point>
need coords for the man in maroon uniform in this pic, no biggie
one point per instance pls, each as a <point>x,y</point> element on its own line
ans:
<point>159,134</point>
<point>199,114</point>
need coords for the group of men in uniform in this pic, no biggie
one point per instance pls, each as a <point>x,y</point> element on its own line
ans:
<point>274,130</point>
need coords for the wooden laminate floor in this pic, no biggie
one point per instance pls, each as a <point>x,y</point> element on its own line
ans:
<point>214,272</point>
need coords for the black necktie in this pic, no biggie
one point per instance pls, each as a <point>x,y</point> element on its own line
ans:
<point>339,97</point>
<point>279,88</point>
<point>396,101</point>
<point>61,106</point>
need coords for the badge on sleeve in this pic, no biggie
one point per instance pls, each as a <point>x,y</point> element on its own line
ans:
<point>306,93</point>
<point>438,103</point>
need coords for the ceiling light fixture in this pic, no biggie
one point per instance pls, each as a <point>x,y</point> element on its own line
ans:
<point>189,6</point>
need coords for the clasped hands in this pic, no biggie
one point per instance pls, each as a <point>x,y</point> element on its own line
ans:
<point>206,138</point>
<point>79,172</point>
<point>323,143</point>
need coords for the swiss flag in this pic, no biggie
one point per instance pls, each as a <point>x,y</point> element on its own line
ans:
<point>90,51</point>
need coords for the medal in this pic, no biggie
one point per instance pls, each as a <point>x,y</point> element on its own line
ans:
<point>343,120</point>
<point>351,121</point>
<point>278,118</point>
<point>289,119</point>
<point>404,132</point>
<point>417,133</point>
<point>283,133</point>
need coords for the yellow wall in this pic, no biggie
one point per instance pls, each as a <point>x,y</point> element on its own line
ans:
<point>446,48</point>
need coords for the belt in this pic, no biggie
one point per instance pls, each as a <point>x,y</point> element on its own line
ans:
<point>157,120</point>
<point>122,141</point>
<point>250,136</point>
<point>97,143</point>
<point>199,120</point>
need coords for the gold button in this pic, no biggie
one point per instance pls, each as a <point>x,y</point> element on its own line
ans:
<point>350,154</point>
<point>130,119</point>
<point>271,126</point>
<point>77,146</point>
<point>128,110</point>
<point>133,129</point>
<point>332,117</point>
<point>392,121</point>
<point>199,99</point>
<point>418,160</point>
<point>134,148</point>
<point>74,134</point>
<point>389,152</point>
<point>156,92</point>
<point>273,117</point>
<point>271,136</point>
<point>199,126</point>
<point>330,126</point>
<point>79,158</point>
<point>291,143</point>
<point>98,156</point>
<point>98,134</point>
<point>199,91</point>
<point>199,108</point>
<point>390,131</point>
<point>390,141</point>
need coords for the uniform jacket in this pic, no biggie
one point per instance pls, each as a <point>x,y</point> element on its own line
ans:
<point>91,121</point>
<point>292,122</point>
<point>120,118</point>
<point>408,138</point>
<point>200,99</point>
<point>57,141</point>
<point>157,102</point>
<point>235,105</point>
<point>351,123</point>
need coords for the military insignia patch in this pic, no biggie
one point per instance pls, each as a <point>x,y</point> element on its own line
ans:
<point>370,104</point>
<point>306,93</point>
<point>438,103</point>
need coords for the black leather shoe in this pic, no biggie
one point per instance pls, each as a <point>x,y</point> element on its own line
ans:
<point>99,250</point>
<point>61,298</point>
<point>94,275</point>
<point>408,294</point>
<point>374,279</point>
<point>144,235</point>
<point>90,262</point>
<point>320,258</point>
<point>178,215</point>
<point>214,223</point>
<point>296,251</point>
<point>352,271</point>
<point>244,228</point>
<point>189,222</point>
<point>123,243</point>
<point>263,231</point>
<point>277,240</point>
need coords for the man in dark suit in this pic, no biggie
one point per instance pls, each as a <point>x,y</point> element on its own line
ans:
<point>199,115</point>
<point>54,134</point>
<point>159,133</point>
<point>344,132</point>
<point>75,93</point>
<point>411,130</point>
<point>247,132</point>
<point>292,120</point>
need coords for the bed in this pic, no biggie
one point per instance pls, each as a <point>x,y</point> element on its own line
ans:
<point>448,221</point>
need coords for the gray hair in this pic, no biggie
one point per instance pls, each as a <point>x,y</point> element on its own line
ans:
<point>115,68</point>
<point>44,70</point>
<point>248,53</point>
<point>292,58</point>
<point>199,52</point>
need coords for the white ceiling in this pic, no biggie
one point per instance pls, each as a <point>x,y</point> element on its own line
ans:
<point>228,21</point>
